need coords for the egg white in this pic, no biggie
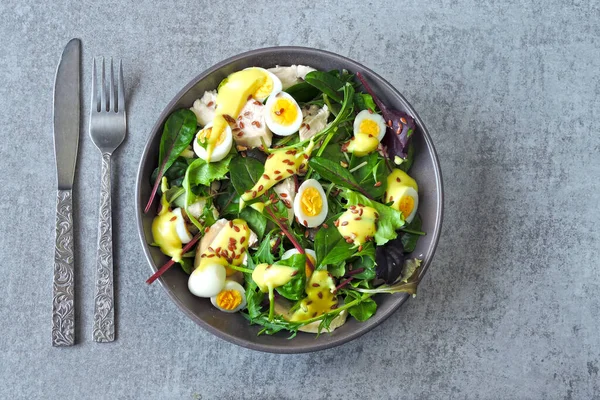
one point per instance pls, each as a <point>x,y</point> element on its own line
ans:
<point>207,280</point>
<point>220,151</point>
<point>292,252</point>
<point>231,285</point>
<point>282,130</point>
<point>306,220</point>
<point>410,192</point>
<point>366,115</point>
<point>181,228</point>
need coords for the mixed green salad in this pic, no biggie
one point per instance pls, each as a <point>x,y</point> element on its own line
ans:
<point>285,195</point>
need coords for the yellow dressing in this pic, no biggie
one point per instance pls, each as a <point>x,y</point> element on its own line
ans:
<point>398,182</point>
<point>228,247</point>
<point>362,144</point>
<point>358,224</point>
<point>280,164</point>
<point>269,277</point>
<point>311,202</point>
<point>319,297</point>
<point>232,96</point>
<point>164,232</point>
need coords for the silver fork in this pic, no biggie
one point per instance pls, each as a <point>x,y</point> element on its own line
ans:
<point>108,125</point>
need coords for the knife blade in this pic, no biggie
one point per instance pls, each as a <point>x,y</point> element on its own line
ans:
<point>67,109</point>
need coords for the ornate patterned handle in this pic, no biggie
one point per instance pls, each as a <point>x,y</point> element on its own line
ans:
<point>104,302</point>
<point>63,314</point>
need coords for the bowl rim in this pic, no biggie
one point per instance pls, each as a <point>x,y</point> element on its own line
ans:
<point>377,318</point>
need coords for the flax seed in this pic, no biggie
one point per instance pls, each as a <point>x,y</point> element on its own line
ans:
<point>241,125</point>
<point>260,188</point>
<point>173,219</point>
<point>294,273</point>
<point>290,171</point>
<point>344,223</point>
<point>210,104</point>
<point>403,120</point>
<point>315,285</point>
<point>325,226</point>
<point>284,195</point>
<point>357,218</point>
<point>349,240</point>
<point>336,223</point>
<point>320,294</point>
<point>305,223</point>
<point>377,184</point>
<point>278,178</point>
<point>236,228</point>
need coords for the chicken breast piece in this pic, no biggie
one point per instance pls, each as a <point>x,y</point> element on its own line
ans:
<point>314,121</point>
<point>286,190</point>
<point>291,75</point>
<point>204,107</point>
<point>250,126</point>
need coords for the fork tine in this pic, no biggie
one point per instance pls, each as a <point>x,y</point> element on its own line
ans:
<point>121,88</point>
<point>103,88</point>
<point>94,89</point>
<point>111,85</point>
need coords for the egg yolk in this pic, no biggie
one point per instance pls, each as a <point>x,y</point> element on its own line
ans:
<point>284,112</point>
<point>311,202</point>
<point>406,205</point>
<point>369,127</point>
<point>265,90</point>
<point>206,134</point>
<point>229,299</point>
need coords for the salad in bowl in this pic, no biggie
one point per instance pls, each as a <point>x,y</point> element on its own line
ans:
<point>285,194</point>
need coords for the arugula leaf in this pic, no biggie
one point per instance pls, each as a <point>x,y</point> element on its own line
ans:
<point>331,248</point>
<point>294,289</point>
<point>244,173</point>
<point>175,173</point>
<point>326,83</point>
<point>178,132</point>
<point>263,254</point>
<point>256,221</point>
<point>334,172</point>
<point>390,219</point>
<point>409,240</point>
<point>273,325</point>
<point>302,92</point>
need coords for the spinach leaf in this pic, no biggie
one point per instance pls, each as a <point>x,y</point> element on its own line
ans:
<point>303,92</point>
<point>244,173</point>
<point>227,202</point>
<point>187,265</point>
<point>178,132</point>
<point>174,174</point>
<point>255,220</point>
<point>364,101</point>
<point>409,240</point>
<point>373,170</point>
<point>326,83</point>
<point>363,310</point>
<point>294,289</point>
<point>331,248</point>
<point>390,219</point>
<point>333,152</point>
<point>334,172</point>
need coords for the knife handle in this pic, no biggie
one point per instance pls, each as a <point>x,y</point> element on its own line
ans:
<point>63,313</point>
<point>104,310</point>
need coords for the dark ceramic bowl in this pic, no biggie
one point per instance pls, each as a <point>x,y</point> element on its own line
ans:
<point>233,327</point>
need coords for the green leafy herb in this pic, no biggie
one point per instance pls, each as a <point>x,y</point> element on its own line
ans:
<point>407,282</point>
<point>371,175</point>
<point>363,310</point>
<point>364,101</point>
<point>263,254</point>
<point>178,132</point>
<point>202,173</point>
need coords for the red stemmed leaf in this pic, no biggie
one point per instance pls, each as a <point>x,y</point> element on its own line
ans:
<point>400,125</point>
<point>170,263</point>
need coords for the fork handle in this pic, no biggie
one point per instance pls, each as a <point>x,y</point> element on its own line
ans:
<point>104,310</point>
<point>63,313</point>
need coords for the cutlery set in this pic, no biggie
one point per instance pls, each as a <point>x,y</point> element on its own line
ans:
<point>108,126</point>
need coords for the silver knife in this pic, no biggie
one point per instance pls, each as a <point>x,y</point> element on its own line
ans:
<point>66,139</point>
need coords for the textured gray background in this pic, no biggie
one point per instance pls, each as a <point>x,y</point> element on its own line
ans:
<point>510,308</point>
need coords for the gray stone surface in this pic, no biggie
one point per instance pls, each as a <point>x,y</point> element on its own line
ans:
<point>510,307</point>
